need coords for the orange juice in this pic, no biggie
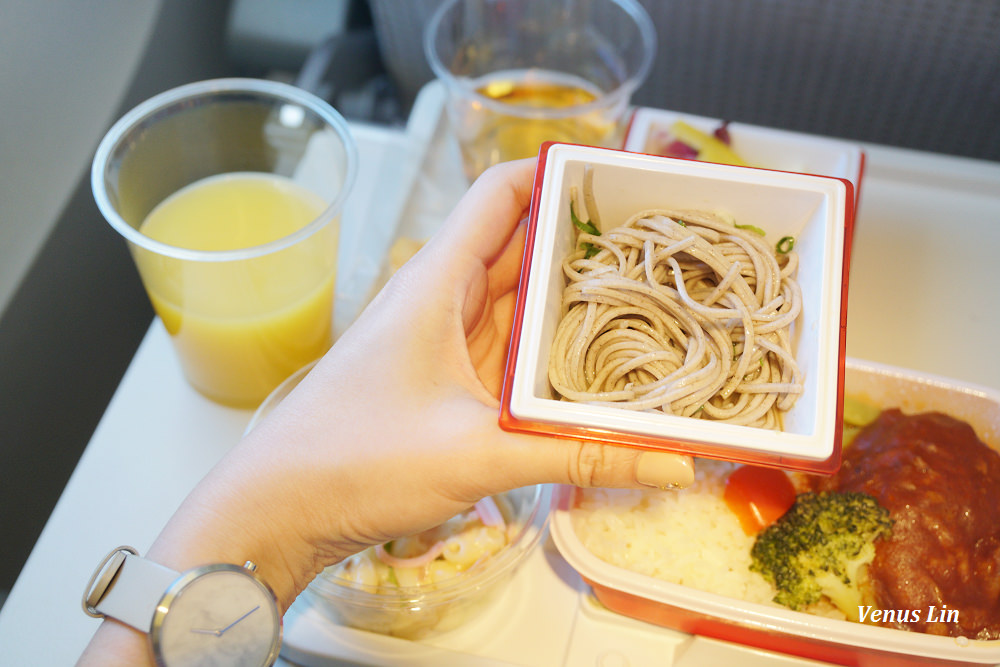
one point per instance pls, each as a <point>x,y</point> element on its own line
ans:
<point>541,108</point>
<point>244,324</point>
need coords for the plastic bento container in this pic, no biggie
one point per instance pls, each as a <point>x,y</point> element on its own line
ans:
<point>783,630</point>
<point>816,210</point>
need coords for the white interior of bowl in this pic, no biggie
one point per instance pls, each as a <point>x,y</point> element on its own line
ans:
<point>809,208</point>
<point>887,386</point>
<point>760,146</point>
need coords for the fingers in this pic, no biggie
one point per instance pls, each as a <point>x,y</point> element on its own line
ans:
<point>478,250</point>
<point>505,269</point>
<point>503,273</point>
<point>488,214</point>
<point>496,202</point>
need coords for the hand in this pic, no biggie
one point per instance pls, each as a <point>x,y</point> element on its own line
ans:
<point>395,430</point>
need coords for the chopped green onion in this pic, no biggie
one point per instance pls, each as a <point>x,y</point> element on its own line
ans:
<point>752,228</point>
<point>587,228</point>
<point>582,226</point>
<point>785,244</point>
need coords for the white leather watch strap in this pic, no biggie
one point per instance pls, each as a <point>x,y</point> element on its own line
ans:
<point>129,588</point>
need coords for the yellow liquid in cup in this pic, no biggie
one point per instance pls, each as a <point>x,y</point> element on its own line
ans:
<point>488,136</point>
<point>241,327</point>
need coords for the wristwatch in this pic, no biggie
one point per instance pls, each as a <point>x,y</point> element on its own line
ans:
<point>219,614</point>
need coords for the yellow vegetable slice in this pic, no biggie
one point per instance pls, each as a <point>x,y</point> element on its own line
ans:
<point>709,148</point>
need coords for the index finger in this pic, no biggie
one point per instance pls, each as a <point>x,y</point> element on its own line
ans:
<point>486,217</point>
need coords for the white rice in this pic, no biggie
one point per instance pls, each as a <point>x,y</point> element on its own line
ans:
<point>687,537</point>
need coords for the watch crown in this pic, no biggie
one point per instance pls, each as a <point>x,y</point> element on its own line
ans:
<point>250,565</point>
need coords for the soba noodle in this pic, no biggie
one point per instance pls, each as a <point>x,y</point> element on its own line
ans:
<point>683,312</point>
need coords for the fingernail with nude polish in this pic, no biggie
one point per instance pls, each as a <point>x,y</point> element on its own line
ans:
<point>662,470</point>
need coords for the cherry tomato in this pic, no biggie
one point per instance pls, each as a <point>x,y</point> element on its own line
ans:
<point>758,496</point>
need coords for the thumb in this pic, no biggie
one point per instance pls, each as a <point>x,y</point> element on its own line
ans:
<point>532,459</point>
<point>602,465</point>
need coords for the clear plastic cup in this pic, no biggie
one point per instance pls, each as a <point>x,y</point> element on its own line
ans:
<point>521,72</point>
<point>229,194</point>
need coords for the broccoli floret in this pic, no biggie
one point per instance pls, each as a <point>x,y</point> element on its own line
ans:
<point>819,547</point>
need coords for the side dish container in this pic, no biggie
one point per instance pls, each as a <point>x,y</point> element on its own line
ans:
<point>423,611</point>
<point>770,148</point>
<point>783,630</point>
<point>818,211</point>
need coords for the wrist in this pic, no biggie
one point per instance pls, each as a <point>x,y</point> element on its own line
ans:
<point>222,613</point>
<point>231,518</point>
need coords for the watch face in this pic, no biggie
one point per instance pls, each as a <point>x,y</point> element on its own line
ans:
<point>216,615</point>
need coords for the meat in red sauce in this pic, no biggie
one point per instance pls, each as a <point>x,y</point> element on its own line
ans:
<point>940,485</point>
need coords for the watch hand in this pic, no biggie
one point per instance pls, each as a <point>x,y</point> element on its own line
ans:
<point>226,629</point>
<point>221,631</point>
<point>205,631</point>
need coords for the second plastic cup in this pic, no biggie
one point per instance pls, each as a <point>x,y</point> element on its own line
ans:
<point>521,72</point>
